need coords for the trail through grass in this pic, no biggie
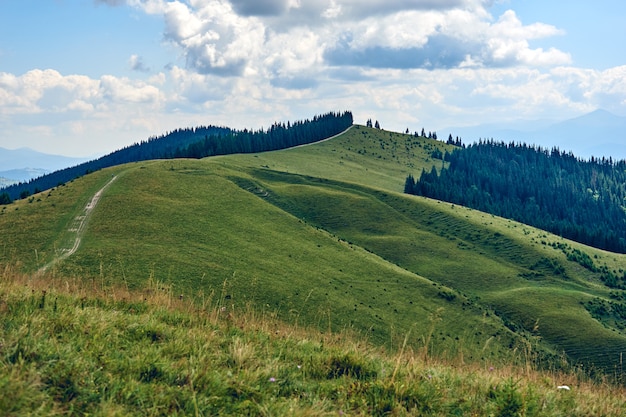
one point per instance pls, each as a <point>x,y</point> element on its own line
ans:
<point>77,228</point>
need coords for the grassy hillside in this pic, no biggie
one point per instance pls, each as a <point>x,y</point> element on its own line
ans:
<point>376,158</point>
<point>322,236</point>
<point>76,348</point>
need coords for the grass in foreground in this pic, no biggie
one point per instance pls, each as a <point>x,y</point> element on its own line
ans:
<point>67,348</point>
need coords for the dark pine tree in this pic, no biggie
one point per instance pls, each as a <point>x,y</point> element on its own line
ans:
<point>409,185</point>
<point>5,199</point>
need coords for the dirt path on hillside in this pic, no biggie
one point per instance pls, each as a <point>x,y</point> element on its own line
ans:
<point>77,228</point>
<point>323,140</point>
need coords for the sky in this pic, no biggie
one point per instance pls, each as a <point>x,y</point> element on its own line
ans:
<point>86,77</point>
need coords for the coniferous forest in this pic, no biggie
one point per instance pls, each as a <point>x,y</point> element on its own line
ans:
<point>198,142</point>
<point>582,200</point>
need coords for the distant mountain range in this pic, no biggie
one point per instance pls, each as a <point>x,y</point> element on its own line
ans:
<point>24,164</point>
<point>599,133</point>
<point>13,176</point>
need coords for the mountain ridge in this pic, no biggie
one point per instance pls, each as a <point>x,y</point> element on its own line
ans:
<point>196,142</point>
<point>599,133</point>
<point>24,163</point>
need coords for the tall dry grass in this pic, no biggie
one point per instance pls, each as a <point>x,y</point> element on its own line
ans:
<point>73,347</point>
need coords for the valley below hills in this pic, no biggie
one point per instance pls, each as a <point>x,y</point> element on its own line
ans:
<point>321,237</point>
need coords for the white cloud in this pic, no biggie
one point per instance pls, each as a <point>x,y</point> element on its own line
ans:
<point>43,90</point>
<point>409,63</point>
<point>591,88</point>
<point>75,111</point>
<point>212,37</point>
<point>510,27</point>
<point>332,11</point>
<point>191,88</point>
<point>39,91</point>
<point>136,64</point>
<point>125,90</point>
<point>239,38</point>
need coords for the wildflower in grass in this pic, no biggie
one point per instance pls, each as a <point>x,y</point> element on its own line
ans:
<point>272,379</point>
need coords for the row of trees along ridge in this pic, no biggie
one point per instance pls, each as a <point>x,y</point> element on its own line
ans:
<point>198,142</point>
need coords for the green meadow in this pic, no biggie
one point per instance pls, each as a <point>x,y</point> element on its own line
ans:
<point>322,237</point>
<point>71,347</point>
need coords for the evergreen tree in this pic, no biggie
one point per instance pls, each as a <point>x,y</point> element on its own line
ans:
<point>409,184</point>
<point>5,199</point>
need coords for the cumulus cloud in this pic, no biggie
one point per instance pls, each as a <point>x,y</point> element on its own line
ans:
<point>48,91</point>
<point>213,38</point>
<point>246,63</point>
<point>126,90</point>
<point>592,88</point>
<point>368,8</point>
<point>136,64</point>
<point>439,51</point>
<point>232,38</point>
<point>262,7</point>
<point>448,39</point>
<point>75,114</point>
<point>44,90</point>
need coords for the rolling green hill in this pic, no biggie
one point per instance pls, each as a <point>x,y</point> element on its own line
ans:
<point>321,235</point>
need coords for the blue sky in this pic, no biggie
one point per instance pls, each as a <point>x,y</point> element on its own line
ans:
<point>86,77</point>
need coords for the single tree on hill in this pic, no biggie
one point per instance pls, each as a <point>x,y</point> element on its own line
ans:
<point>5,199</point>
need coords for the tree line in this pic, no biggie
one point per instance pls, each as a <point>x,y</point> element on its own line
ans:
<point>277,136</point>
<point>578,199</point>
<point>197,142</point>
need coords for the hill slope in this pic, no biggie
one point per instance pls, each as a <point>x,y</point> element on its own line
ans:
<point>88,350</point>
<point>320,235</point>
